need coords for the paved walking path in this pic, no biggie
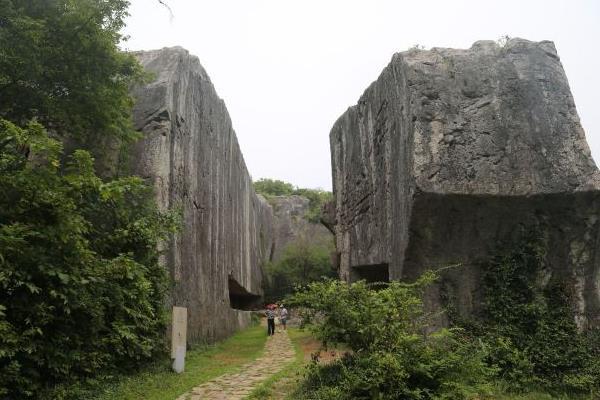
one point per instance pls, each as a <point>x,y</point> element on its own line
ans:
<point>278,353</point>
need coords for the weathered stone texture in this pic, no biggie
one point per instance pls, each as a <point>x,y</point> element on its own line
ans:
<point>191,154</point>
<point>451,153</point>
<point>291,225</point>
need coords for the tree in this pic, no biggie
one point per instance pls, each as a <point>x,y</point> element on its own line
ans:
<point>60,64</point>
<point>316,197</point>
<point>273,187</point>
<point>302,262</point>
<point>81,289</point>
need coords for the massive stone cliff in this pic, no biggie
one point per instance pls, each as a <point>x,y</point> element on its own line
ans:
<point>190,153</point>
<point>291,225</point>
<point>451,154</point>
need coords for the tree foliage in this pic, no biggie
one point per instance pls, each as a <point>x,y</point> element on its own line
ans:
<point>302,262</point>
<point>274,187</point>
<point>81,289</point>
<point>60,64</point>
<point>317,197</point>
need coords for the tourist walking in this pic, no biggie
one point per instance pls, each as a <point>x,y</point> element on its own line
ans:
<point>283,315</point>
<point>270,314</point>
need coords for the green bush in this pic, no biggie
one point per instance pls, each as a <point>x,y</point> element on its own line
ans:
<point>81,289</point>
<point>302,262</point>
<point>317,198</point>
<point>392,355</point>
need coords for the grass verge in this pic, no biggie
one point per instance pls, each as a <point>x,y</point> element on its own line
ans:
<point>158,382</point>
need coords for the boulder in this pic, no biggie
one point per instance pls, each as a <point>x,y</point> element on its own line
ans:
<point>451,155</point>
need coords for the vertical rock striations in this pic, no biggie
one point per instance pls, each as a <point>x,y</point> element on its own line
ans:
<point>291,225</point>
<point>191,154</point>
<point>451,154</point>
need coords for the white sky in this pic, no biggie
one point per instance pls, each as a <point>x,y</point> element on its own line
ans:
<point>288,69</point>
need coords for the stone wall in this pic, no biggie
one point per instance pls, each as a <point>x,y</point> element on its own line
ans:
<point>191,154</point>
<point>451,154</point>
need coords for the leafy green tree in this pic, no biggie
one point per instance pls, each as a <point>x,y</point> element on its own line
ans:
<point>81,289</point>
<point>60,64</point>
<point>273,187</point>
<point>302,262</point>
<point>316,197</point>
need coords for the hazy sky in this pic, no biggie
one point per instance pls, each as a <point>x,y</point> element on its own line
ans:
<point>288,69</point>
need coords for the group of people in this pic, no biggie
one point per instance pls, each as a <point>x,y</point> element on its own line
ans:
<point>272,311</point>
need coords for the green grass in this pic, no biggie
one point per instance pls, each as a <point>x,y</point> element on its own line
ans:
<point>158,382</point>
<point>502,392</point>
<point>284,379</point>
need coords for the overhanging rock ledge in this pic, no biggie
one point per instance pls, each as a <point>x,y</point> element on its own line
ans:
<point>452,154</point>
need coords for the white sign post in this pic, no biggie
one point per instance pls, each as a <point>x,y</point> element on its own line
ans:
<point>178,338</point>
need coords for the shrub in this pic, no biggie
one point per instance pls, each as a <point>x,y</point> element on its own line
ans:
<point>302,262</point>
<point>392,355</point>
<point>81,289</point>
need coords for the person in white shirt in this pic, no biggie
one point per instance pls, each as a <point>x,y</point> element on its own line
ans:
<point>283,315</point>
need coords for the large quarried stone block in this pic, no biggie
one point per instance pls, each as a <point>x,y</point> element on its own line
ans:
<point>452,154</point>
<point>190,153</point>
<point>292,227</point>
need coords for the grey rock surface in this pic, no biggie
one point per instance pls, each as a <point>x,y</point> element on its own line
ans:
<point>191,154</point>
<point>452,153</point>
<point>291,225</point>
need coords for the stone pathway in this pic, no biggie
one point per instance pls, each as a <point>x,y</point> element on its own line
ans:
<point>278,353</point>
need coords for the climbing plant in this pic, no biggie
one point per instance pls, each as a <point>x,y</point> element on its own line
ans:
<point>530,327</point>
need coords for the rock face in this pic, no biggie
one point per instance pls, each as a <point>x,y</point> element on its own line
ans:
<point>291,225</point>
<point>450,154</point>
<point>191,154</point>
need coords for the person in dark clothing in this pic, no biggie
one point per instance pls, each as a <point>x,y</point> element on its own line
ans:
<point>270,313</point>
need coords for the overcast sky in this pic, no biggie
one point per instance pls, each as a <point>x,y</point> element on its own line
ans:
<point>288,69</point>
